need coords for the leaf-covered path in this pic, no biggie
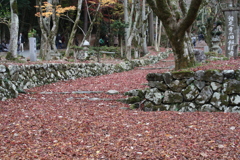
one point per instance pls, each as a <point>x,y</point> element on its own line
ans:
<point>57,121</point>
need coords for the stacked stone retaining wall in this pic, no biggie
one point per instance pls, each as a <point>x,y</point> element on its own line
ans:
<point>210,90</point>
<point>15,78</point>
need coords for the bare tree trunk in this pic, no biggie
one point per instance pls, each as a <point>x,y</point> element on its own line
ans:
<point>158,34</point>
<point>125,5</point>
<point>44,23</point>
<point>48,30</point>
<point>90,28</point>
<point>54,29</point>
<point>3,32</point>
<point>85,12</point>
<point>121,45</point>
<point>136,53</point>
<point>151,29</point>
<point>144,28</point>
<point>14,28</point>
<point>74,29</point>
<point>132,29</point>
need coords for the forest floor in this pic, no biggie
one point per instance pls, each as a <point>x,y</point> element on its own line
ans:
<point>57,121</point>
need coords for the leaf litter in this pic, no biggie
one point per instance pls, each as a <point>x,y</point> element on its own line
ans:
<point>69,126</point>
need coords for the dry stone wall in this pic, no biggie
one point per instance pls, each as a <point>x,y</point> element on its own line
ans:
<point>15,78</point>
<point>211,90</point>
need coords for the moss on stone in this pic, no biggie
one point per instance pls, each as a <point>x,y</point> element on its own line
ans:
<point>118,68</point>
<point>159,108</point>
<point>233,87</point>
<point>184,74</point>
<point>132,100</point>
<point>148,104</point>
<point>154,77</point>
<point>213,75</point>
<point>134,106</point>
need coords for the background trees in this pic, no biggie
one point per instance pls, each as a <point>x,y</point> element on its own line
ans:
<point>210,21</point>
<point>49,14</point>
<point>133,22</point>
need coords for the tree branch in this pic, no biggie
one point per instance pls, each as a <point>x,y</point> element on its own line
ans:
<point>162,10</point>
<point>191,15</point>
<point>183,7</point>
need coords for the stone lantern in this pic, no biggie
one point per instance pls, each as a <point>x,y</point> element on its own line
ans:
<point>216,48</point>
<point>86,45</point>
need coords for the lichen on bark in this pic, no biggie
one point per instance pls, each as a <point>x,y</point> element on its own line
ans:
<point>15,7</point>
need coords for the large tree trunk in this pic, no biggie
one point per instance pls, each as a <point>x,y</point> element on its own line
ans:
<point>177,17</point>
<point>183,52</point>
<point>14,28</point>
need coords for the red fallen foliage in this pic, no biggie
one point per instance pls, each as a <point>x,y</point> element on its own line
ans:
<point>70,126</point>
<point>232,64</point>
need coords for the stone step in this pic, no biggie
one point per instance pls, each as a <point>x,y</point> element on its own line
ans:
<point>73,92</point>
<point>167,61</point>
<point>171,67</point>
<point>91,99</point>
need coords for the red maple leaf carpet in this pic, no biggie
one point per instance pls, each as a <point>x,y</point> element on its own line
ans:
<point>64,121</point>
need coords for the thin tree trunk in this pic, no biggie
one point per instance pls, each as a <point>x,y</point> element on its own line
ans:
<point>158,34</point>
<point>90,28</point>
<point>74,29</point>
<point>54,29</point>
<point>132,27</point>
<point>151,29</point>
<point>136,53</point>
<point>44,23</point>
<point>144,28</point>
<point>121,46</point>
<point>97,37</point>
<point>125,5</point>
<point>85,12</point>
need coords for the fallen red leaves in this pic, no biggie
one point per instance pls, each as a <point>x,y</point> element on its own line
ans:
<point>231,64</point>
<point>71,126</point>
